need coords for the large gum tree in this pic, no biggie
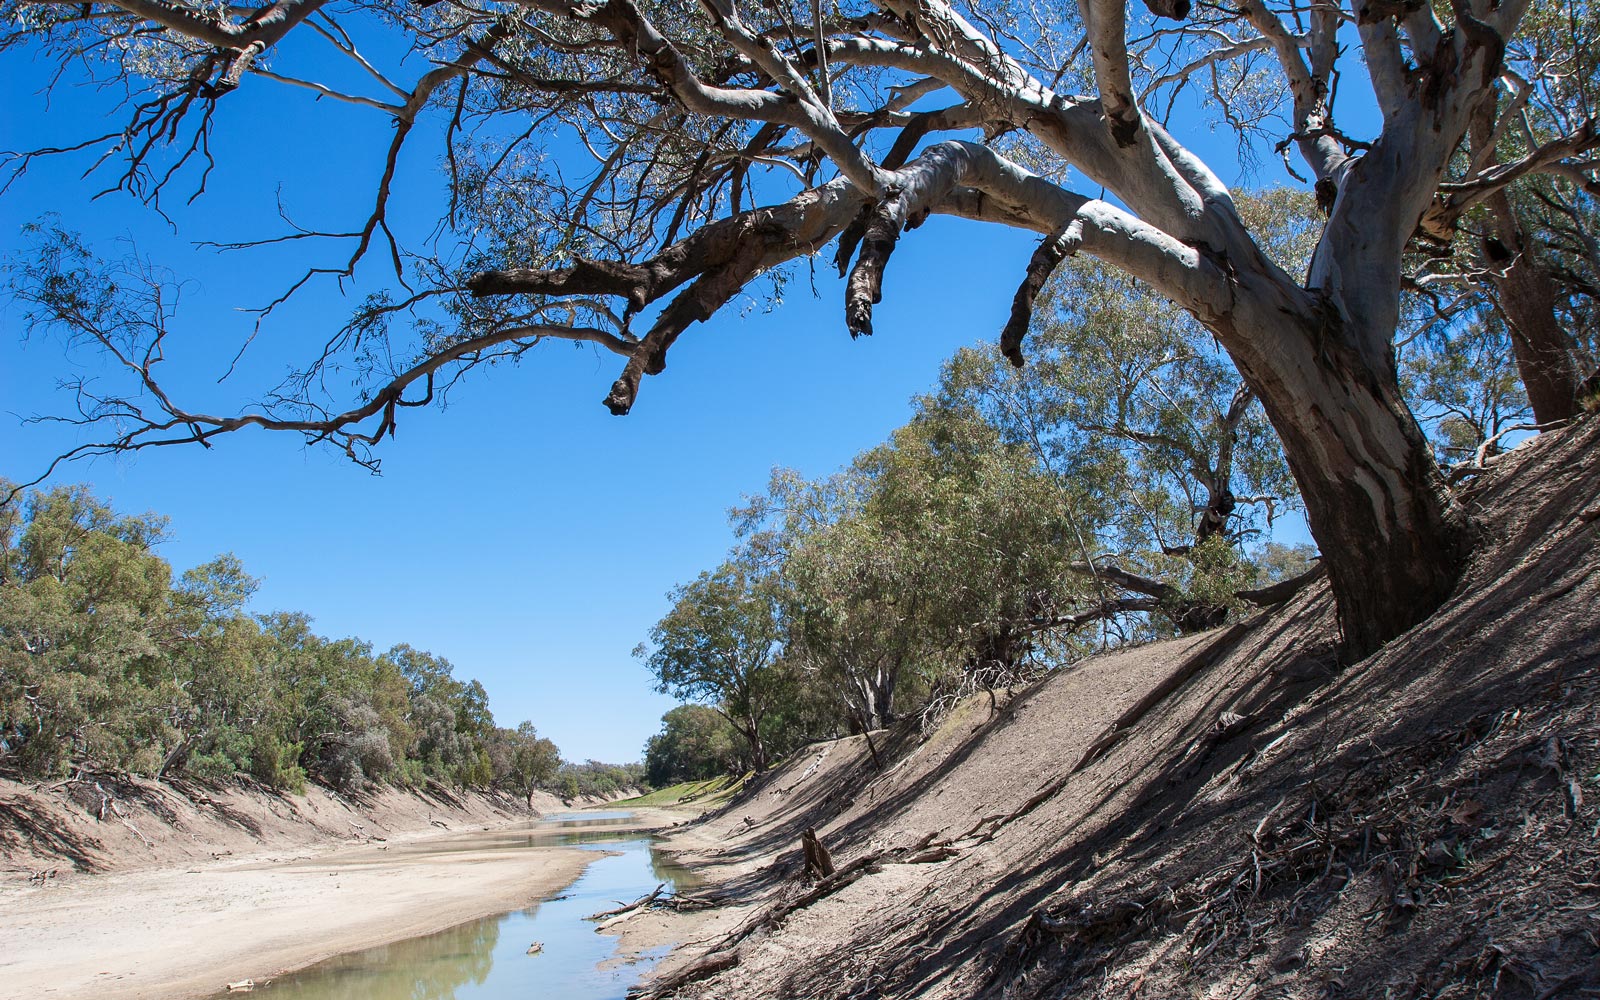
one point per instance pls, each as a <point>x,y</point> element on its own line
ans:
<point>732,138</point>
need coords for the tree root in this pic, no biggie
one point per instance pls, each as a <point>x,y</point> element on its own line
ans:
<point>702,968</point>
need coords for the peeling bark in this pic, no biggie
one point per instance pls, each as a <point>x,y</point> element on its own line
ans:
<point>1055,248</point>
<point>865,287</point>
<point>1390,532</point>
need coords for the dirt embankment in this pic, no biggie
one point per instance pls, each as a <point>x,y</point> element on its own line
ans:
<point>98,824</point>
<point>1233,814</point>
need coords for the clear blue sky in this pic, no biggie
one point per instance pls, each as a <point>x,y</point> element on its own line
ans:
<point>523,532</point>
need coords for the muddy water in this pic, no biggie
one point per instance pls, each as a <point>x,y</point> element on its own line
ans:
<point>488,959</point>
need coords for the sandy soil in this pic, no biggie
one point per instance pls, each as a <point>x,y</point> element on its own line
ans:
<point>173,933</point>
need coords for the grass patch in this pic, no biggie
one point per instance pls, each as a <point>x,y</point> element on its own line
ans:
<point>696,792</point>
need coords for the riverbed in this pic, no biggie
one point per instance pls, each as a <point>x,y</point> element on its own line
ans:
<point>182,933</point>
<point>546,950</point>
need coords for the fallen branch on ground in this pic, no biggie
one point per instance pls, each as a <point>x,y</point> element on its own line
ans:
<point>702,968</point>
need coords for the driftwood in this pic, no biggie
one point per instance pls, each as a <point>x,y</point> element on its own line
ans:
<point>867,864</point>
<point>725,955</point>
<point>438,790</point>
<point>681,901</point>
<point>107,800</point>
<point>819,863</point>
<point>933,855</point>
<point>637,904</point>
<point>677,902</point>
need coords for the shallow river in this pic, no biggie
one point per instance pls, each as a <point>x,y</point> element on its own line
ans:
<point>488,959</point>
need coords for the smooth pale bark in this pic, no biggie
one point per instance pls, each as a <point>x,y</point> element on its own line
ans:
<point>876,693</point>
<point>1391,535</point>
<point>750,728</point>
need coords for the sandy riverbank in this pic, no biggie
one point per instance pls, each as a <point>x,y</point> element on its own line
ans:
<point>175,933</point>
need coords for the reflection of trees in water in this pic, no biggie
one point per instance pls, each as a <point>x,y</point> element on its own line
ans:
<point>426,968</point>
<point>594,837</point>
<point>664,869</point>
<point>453,962</point>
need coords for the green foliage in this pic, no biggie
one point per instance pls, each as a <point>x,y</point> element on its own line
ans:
<point>85,617</point>
<point>695,743</point>
<point>107,662</point>
<point>1215,572</point>
<point>705,793</point>
<point>1128,403</point>
<point>520,760</point>
<point>1275,563</point>
<point>1464,380</point>
<point>944,549</point>
<point>720,644</point>
<point>277,764</point>
<point>598,779</point>
<point>1114,481</point>
<point>226,752</point>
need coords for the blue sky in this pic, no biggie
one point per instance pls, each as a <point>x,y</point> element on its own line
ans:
<point>523,532</point>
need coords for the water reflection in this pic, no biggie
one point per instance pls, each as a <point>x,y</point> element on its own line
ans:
<point>487,959</point>
<point>441,966</point>
<point>518,837</point>
<point>596,818</point>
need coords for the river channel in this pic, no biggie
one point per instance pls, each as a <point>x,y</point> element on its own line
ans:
<point>488,959</point>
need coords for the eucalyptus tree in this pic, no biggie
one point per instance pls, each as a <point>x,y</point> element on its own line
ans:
<point>995,535</point>
<point>107,663</point>
<point>446,719</point>
<point>85,617</point>
<point>1135,413</point>
<point>1465,380</point>
<point>721,644</point>
<point>1531,248</point>
<point>521,760</point>
<point>856,617</point>
<point>733,138</point>
<point>849,595</point>
<point>944,553</point>
<point>695,743</point>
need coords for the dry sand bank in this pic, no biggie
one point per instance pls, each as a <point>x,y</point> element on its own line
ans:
<point>173,933</point>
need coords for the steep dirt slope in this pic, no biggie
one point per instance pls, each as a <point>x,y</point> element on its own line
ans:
<point>1228,815</point>
<point>99,823</point>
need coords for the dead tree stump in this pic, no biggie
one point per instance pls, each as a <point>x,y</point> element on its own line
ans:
<point>819,863</point>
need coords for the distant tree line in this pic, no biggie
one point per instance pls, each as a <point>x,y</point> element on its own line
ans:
<point>695,743</point>
<point>591,777</point>
<point>108,662</point>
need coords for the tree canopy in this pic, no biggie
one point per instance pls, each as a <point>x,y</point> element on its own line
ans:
<point>1116,490</point>
<point>720,644</point>
<point>730,139</point>
<point>108,663</point>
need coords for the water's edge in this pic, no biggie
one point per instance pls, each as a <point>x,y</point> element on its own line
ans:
<point>493,958</point>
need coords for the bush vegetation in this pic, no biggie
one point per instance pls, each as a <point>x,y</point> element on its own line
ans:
<point>108,662</point>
